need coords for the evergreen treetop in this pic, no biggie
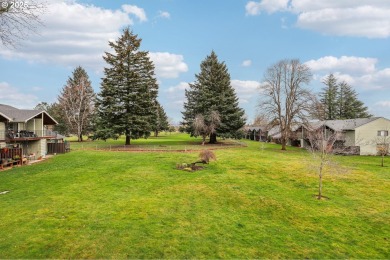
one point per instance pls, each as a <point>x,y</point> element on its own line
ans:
<point>340,101</point>
<point>212,91</point>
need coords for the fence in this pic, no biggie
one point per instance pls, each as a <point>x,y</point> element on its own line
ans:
<point>53,148</point>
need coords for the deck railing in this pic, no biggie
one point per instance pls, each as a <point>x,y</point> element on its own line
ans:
<point>7,153</point>
<point>25,134</point>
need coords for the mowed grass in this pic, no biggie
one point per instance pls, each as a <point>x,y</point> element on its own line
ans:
<point>164,142</point>
<point>253,202</point>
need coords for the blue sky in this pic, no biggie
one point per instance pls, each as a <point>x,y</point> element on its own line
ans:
<point>349,38</point>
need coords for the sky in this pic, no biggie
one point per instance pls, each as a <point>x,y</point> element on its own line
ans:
<point>349,38</point>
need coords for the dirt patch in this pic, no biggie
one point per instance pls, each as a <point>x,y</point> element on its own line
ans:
<point>189,167</point>
<point>322,197</point>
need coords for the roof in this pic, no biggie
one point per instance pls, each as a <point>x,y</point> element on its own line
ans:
<point>341,125</point>
<point>274,131</point>
<point>256,128</point>
<point>348,124</point>
<point>13,114</point>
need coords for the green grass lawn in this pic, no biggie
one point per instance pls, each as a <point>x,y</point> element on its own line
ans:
<point>253,202</point>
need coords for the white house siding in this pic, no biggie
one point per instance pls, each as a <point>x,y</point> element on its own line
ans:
<point>21,126</point>
<point>2,131</point>
<point>38,148</point>
<point>43,150</point>
<point>35,125</point>
<point>349,138</point>
<point>366,135</point>
<point>34,147</point>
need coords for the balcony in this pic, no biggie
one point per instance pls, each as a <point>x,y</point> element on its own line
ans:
<point>24,135</point>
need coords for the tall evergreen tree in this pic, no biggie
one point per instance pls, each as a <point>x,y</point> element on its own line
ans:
<point>212,92</point>
<point>161,122</point>
<point>349,104</point>
<point>76,101</point>
<point>126,103</point>
<point>340,101</point>
<point>329,97</point>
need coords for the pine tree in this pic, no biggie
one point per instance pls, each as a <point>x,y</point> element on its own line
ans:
<point>329,97</point>
<point>126,103</point>
<point>340,101</point>
<point>212,92</point>
<point>76,102</point>
<point>349,104</point>
<point>161,120</point>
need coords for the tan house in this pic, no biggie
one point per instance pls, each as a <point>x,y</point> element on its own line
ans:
<point>27,129</point>
<point>362,133</point>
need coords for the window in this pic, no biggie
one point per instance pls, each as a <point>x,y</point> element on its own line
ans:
<point>383,133</point>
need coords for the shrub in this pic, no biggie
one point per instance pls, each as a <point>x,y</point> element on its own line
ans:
<point>207,155</point>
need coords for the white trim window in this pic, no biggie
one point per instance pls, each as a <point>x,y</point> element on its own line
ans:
<point>383,133</point>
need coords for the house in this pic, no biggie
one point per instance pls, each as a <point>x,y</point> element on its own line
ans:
<point>360,133</point>
<point>27,129</point>
<point>257,133</point>
<point>274,134</point>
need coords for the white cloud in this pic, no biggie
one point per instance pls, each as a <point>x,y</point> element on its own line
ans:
<point>175,97</point>
<point>164,14</point>
<point>14,97</point>
<point>383,104</point>
<point>362,21</point>
<point>168,65</point>
<point>348,64</point>
<point>246,89</point>
<point>270,6</point>
<point>357,71</point>
<point>77,34</point>
<point>246,63</point>
<point>178,88</point>
<point>361,18</point>
<point>74,34</point>
<point>135,10</point>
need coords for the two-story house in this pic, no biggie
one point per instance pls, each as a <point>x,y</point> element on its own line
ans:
<point>27,129</point>
<point>365,134</point>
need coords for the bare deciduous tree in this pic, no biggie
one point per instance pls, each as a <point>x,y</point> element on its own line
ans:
<point>77,102</point>
<point>283,94</point>
<point>261,119</point>
<point>383,143</point>
<point>18,19</point>
<point>322,142</point>
<point>206,126</point>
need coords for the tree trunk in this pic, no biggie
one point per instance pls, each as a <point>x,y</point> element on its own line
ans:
<point>284,143</point>
<point>155,133</point>
<point>127,137</point>
<point>213,138</point>
<point>320,186</point>
<point>383,158</point>
<point>79,137</point>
